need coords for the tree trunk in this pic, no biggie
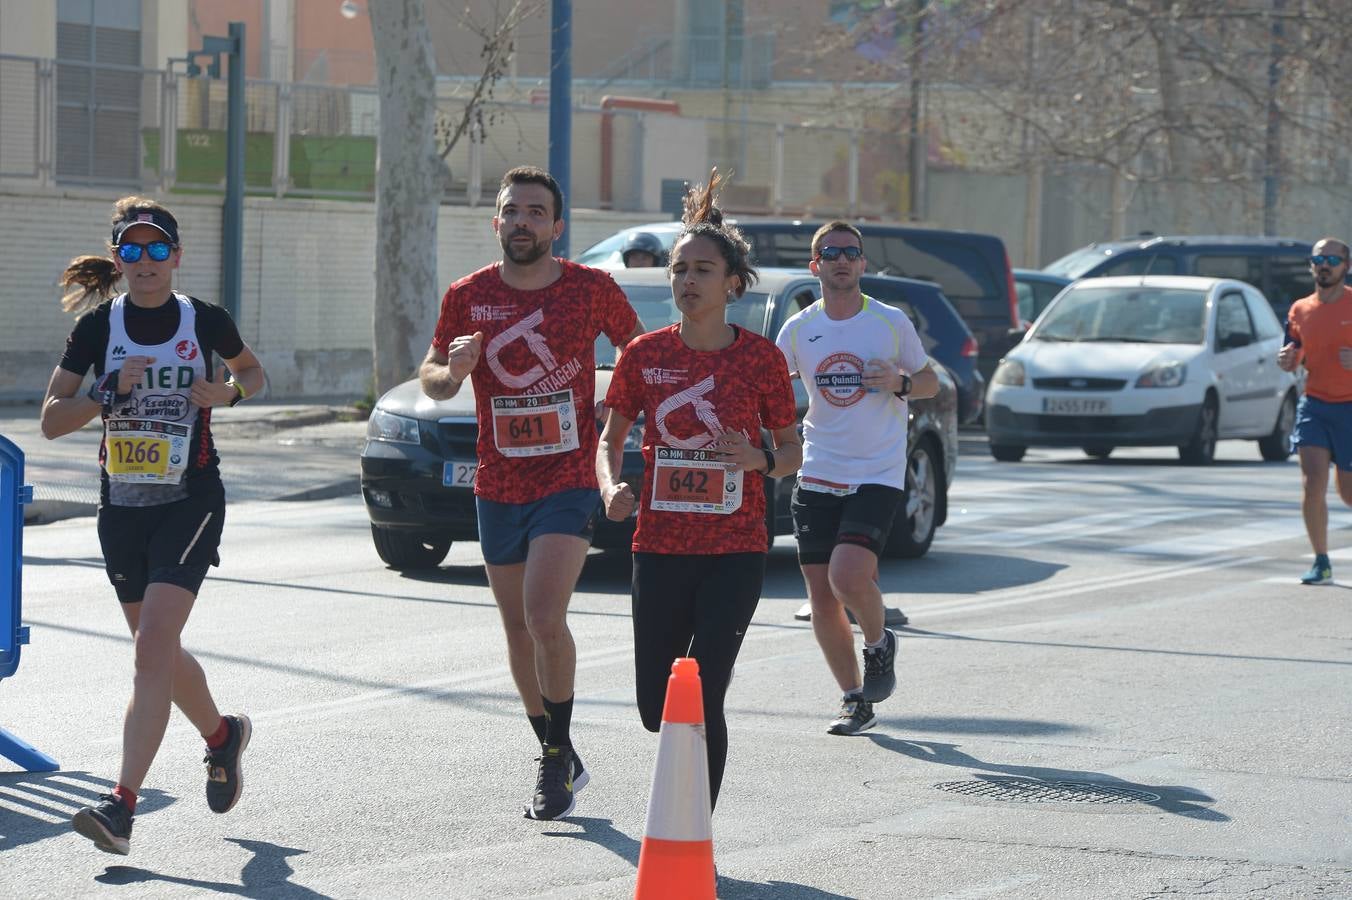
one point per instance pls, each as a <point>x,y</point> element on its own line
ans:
<point>408,192</point>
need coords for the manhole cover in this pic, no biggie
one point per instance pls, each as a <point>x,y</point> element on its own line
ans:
<point>1025,790</point>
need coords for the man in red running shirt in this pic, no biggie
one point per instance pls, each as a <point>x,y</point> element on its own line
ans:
<point>1319,331</point>
<point>524,331</point>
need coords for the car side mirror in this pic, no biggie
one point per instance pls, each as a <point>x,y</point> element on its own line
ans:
<point>1235,340</point>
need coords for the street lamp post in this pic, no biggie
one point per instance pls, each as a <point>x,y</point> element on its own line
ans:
<point>232,211</point>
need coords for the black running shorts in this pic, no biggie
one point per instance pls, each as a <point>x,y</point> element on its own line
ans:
<point>821,521</point>
<point>173,543</point>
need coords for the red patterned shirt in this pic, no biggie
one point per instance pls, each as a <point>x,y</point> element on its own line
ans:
<point>535,383</point>
<point>689,504</point>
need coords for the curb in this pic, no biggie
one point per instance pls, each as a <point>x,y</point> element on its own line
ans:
<point>45,512</point>
<point>344,488</point>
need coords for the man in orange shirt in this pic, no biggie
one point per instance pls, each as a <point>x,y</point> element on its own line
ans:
<point>1319,334</point>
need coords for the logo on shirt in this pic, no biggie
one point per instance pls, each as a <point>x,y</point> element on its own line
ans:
<point>547,375</point>
<point>119,352</point>
<point>704,411</point>
<point>488,313</point>
<point>170,407</point>
<point>186,350</point>
<point>840,379</point>
<point>655,375</point>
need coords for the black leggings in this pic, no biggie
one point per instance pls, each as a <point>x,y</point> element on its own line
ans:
<point>693,605</point>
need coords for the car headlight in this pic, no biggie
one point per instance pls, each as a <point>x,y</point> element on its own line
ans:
<point>386,426</point>
<point>1011,372</point>
<point>1164,375</point>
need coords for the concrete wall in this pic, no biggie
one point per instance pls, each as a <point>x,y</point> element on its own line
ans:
<point>308,283</point>
<point>28,28</point>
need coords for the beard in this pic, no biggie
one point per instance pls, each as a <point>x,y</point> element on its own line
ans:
<point>524,255</point>
<point>1325,279</point>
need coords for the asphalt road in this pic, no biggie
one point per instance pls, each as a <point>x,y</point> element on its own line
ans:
<point>1112,686</point>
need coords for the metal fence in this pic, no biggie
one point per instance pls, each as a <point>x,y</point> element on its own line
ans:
<point>83,123</point>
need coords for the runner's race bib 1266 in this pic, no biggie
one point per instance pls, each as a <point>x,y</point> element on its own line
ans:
<point>535,425</point>
<point>146,451</point>
<point>694,481</point>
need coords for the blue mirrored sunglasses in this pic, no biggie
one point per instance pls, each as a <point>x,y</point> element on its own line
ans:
<point>1326,259</point>
<point>831,254</point>
<point>157,250</point>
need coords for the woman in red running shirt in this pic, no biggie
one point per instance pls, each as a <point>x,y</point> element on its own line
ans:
<point>705,389</point>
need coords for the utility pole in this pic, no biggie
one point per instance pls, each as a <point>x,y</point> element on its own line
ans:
<point>561,107</point>
<point>918,144</point>
<point>1272,144</point>
<point>232,210</point>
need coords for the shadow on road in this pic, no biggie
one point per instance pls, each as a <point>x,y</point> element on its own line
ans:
<point>1177,800</point>
<point>49,799</point>
<point>265,876</point>
<point>603,833</point>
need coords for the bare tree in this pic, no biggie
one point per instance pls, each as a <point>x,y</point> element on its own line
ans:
<point>497,30</point>
<point>408,191</point>
<point>413,142</point>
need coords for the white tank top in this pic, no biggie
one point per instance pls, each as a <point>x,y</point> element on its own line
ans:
<point>148,438</point>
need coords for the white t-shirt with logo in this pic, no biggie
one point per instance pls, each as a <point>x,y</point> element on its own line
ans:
<point>851,436</point>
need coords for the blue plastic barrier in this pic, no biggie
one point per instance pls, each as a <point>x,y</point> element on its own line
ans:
<point>13,634</point>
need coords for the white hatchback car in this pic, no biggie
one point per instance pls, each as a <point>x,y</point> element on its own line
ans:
<point>1146,361</point>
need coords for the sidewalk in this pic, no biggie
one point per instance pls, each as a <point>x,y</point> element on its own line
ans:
<point>269,451</point>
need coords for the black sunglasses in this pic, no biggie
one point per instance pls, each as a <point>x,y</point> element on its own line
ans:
<point>1326,259</point>
<point>831,254</point>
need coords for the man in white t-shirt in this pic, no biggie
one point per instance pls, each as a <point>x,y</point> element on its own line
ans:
<point>860,361</point>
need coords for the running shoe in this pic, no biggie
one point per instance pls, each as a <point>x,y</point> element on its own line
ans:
<point>880,673</point>
<point>107,824</point>
<point>856,715</point>
<point>580,775</point>
<point>1320,573</point>
<point>554,796</point>
<point>225,778</point>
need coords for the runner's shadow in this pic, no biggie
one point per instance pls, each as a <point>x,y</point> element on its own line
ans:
<point>1175,799</point>
<point>604,834</point>
<point>39,805</point>
<point>265,876</point>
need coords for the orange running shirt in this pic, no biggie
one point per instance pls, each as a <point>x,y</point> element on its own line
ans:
<point>1322,328</point>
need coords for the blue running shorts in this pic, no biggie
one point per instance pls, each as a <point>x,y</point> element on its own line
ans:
<point>1320,423</point>
<point>506,529</point>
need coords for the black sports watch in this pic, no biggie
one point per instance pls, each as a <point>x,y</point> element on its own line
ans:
<point>905,387</point>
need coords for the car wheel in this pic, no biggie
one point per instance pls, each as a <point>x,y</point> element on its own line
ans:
<point>1201,450</point>
<point>1099,452</point>
<point>1276,447</point>
<point>1008,452</point>
<point>402,550</point>
<point>917,520</point>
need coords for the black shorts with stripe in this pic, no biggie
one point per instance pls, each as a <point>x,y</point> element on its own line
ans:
<point>173,543</point>
<point>821,521</point>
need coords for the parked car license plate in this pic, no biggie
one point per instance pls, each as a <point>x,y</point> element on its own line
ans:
<point>458,473</point>
<point>1074,406</point>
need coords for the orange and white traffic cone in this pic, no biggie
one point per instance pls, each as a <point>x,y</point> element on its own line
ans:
<point>676,861</point>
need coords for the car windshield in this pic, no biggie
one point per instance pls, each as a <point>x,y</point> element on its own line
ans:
<point>606,255</point>
<point>656,309</point>
<point>1074,265</point>
<point>1127,314</point>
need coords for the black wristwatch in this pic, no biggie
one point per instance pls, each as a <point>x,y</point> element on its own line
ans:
<point>905,387</point>
<point>104,390</point>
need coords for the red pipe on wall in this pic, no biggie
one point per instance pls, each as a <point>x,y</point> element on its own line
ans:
<point>608,137</point>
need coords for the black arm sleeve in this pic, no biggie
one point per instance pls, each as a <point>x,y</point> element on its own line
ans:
<point>86,343</point>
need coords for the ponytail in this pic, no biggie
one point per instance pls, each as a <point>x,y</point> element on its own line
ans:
<point>90,280</point>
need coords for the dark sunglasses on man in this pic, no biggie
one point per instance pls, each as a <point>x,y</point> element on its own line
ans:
<point>1326,259</point>
<point>157,250</point>
<point>831,254</point>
